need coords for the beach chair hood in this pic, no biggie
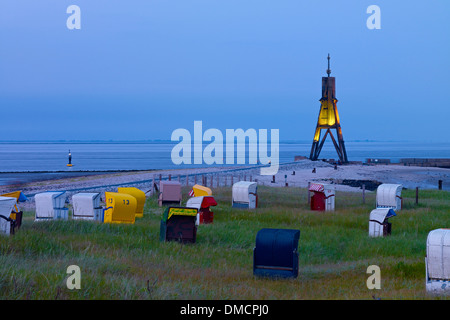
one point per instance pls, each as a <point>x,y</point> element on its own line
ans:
<point>389,196</point>
<point>140,198</point>
<point>381,214</point>
<point>198,191</point>
<point>242,190</point>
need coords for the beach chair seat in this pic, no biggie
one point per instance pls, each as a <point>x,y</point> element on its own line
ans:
<point>86,206</point>
<point>378,222</point>
<point>245,195</point>
<point>169,193</point>
<point>437,262</point>
<point>120,208</point>
<point>16,213</point>
<point>202,204</point>
<point>276,253</point>
<point>50,205</point>
<point>323,198</point>
<point>179,224</point>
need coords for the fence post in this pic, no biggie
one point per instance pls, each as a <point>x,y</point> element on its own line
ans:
<point>417,195</point>
<point>440,184</point>
<point>153,186</point>
<point>364,193</point>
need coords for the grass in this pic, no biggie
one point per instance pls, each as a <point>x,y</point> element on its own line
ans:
<point>129,261</point>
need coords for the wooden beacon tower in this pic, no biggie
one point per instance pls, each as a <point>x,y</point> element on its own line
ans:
<point>328,119</point>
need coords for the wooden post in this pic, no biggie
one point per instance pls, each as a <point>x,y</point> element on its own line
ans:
<point>364,193</point>
<point>417,195</point>
<point>153,186</point>
<point>440,184</point>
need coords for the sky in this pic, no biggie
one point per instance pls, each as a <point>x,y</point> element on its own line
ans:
<point>138,70</point>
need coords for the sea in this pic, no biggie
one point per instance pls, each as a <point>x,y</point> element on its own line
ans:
<point>31,161</point>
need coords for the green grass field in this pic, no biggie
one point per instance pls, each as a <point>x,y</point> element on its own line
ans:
<point>119,261</point>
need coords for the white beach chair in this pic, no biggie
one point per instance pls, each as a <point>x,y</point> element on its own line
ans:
<point>50,205</point>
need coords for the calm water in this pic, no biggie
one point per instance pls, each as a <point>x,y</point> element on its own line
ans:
<point>26,157</point>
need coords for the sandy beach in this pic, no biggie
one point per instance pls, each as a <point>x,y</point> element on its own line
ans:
<point>296,174</point>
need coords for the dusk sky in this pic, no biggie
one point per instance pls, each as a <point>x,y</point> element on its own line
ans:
<point>137,70</point>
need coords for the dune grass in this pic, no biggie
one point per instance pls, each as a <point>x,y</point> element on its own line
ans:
<point>129,261</point>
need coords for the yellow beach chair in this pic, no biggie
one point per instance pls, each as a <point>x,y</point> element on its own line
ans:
<point>200,191</point>
<point>120,208</point>
<point>140,198</point>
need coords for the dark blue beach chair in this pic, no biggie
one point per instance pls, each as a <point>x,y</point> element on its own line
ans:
<point>275,254</point>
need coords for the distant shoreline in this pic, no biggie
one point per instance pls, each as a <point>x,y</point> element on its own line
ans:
<point>81,171</point>
<point>295,174</point>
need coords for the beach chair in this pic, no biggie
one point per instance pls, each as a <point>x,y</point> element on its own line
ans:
<point>7,225</point>
<point>179,224</point>
<point>86,206</point>
<point>437,262</point>
<point>120,208</point>
<point>276,253</point>
<point>389,196</point>
<point>199,191</point>
<point>244,195</point>
<point>16,213</point>
<point>140,199</point>
<point>169,193</point>
<point>202,204</point>
<point>50,205</point>
<point>378,222</point>
<point>323,197</point>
